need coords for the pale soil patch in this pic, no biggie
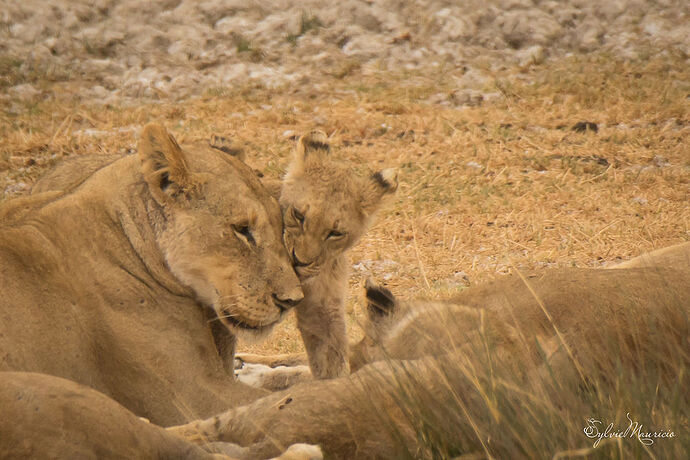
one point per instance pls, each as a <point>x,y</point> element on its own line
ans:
<point>120,51</point>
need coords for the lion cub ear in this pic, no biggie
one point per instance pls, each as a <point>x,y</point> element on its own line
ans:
<point>380,183</point>
<point>163,164</point>
<point>312,146</point>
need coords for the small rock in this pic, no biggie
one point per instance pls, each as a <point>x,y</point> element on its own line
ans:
<point>24,91</point>
<point>461,275</point>
<point>590,38</point>
<point>492,98</point>
<point>319,120</point>
<point>474,165</point>
<point>468,97</point>
<point>473,78</point>
<point>660,161</point>
<point>28,33</point>
<point>534,55</point>
<point>99,92</point>
<point>16,188</point>
<point>438,98</point>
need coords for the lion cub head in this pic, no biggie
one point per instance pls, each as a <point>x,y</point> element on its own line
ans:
<point>326,206</point>
<point>219,231</point>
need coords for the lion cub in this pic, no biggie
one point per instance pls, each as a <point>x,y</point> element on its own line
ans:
<point>326,210</point>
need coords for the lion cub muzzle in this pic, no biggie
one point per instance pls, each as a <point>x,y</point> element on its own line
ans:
<point>304,269</point>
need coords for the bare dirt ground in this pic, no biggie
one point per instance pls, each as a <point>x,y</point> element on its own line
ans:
<point>474,104</point>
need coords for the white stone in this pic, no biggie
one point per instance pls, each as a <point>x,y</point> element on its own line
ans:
<point>24,91</point>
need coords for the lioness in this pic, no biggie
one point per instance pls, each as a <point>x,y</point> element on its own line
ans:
<point>49,417</point>
<point>528,338</point>
<point>118,282</point>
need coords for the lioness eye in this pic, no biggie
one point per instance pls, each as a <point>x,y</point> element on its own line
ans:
<point>335,234</point>
<point>298,215</point>
<point>245,231</point>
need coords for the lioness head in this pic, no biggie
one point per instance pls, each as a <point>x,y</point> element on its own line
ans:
<point>220,232</point>
<point>326,206</point>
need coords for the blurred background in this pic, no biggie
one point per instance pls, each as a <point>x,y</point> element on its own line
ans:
<point>111,50</point>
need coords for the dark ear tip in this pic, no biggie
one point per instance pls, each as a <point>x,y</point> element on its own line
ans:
<point>380,300</point>
<point>226,145</point>
<point>315,140</point>
<point>386,179</point>
<point>165,181</point>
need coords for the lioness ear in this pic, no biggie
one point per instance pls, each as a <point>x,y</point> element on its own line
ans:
<point>162,162</point>
<point>381,302</point>
<point>312,146</point>
<point>227,146</point>
<point>380,183</point>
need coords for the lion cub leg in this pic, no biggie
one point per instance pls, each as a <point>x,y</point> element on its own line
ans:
<point>321,322</point>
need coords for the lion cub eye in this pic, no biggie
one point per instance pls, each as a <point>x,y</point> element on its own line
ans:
<point>334,235</point>
<point>244,232</point>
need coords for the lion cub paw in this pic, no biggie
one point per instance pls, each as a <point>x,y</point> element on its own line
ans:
<point>271,378</point>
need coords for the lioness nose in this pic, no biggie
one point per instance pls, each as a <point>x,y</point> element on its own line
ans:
<point>287,302</point>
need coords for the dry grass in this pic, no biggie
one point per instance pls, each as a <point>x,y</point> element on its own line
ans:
<point>482,404</point>
<point>483,189</point>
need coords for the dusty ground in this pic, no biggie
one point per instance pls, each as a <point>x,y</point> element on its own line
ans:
<point>120,51</point>
<point>493,177</point>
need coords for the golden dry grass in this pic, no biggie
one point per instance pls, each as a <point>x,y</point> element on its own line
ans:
<point>482,189</point>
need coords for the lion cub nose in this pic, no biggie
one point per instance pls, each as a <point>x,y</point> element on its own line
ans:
<point>285,302</point>
<point>297,262</point>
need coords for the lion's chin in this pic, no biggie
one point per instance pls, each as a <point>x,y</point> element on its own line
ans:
<point>246,330</point>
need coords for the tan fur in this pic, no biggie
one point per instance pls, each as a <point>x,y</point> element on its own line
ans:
<point>326,209</point>
<point>118,282</point>
<point>566,316</point>
<point>50,417</point>
<point>670,256</point>
<point>510,311</point>
<point>71,172</point>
